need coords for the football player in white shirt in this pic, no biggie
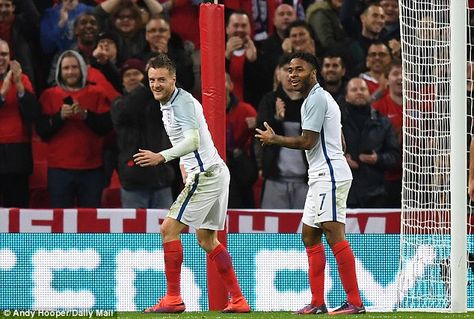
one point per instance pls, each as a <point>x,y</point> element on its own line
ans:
<point>202,203</point>
<point>329,183</point>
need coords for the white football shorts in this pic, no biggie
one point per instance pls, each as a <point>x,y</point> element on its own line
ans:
<point>202,204</point>
<point>326,202</point>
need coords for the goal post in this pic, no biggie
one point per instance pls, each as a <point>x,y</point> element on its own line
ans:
<point>433,239</point>
<point>458,23</point>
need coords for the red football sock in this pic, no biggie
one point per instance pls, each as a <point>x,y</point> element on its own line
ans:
<point>221,258</point>
<point>317,264</point>
<point>346,265</point>
<point>173,260</point>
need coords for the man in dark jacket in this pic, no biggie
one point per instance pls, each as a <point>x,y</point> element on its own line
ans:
<point>283,169</point>
<point>160,39</point>
<point>137,121</point>
<point>270,50</point>
<point>371,147</point>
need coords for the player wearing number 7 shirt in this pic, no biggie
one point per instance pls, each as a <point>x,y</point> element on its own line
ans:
<point>329,183</point>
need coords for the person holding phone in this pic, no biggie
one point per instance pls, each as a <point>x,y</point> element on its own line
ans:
<point>75,117</point>
<point>372,148</point>
<point>241,58</point>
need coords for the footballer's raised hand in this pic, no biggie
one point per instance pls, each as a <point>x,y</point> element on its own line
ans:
<point>267,136</point>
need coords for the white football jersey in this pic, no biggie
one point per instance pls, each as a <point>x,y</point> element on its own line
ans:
<point>181,113</point>
<point>321,114</point>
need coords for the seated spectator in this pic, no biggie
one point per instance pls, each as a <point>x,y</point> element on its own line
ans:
<point>160,40</point>
<point>284,170</point>
<point>124,19</point>
<point>75,116</point>
<point>20,32</point>
<point>240,125</point>
<point>371,147</point>
<point>333,71</point>
<point>300,38</point>
<point>18,108</point>
<point>378,61</point>
<point>137,121</point>
<point>57,25</point>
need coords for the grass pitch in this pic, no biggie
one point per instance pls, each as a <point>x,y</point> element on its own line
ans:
<point>285,315</point>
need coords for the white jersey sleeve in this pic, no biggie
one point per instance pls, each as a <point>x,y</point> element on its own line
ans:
<point>181,113</point>
<point>314,116</point>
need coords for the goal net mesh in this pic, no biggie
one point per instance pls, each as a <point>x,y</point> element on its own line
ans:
<point>424,282</point>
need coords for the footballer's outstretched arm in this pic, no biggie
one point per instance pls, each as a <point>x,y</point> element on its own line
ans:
<point>187,145</point>
<point>306,141</point>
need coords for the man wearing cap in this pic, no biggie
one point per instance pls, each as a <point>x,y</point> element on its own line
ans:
<point>132,74</point>
<point>106,59</point>
<point>137,121</point>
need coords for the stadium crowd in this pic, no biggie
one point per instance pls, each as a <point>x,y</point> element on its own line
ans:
<point>75,104</point>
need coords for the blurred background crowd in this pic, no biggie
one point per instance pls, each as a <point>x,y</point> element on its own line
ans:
<point>75,107</point>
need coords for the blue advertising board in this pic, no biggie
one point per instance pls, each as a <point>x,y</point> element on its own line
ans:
<point>125,272</point>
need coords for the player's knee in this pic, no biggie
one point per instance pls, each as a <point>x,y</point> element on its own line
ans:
<point>334,232</point>
<point>311,236</point>
<point>205,244</point>
<point>164,234</point>
<point>167,232</point>
<point>309,240</point>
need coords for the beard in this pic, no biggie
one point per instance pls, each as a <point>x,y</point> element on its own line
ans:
<point>332,82</point>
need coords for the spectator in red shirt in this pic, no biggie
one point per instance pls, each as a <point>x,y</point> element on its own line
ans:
<point>18,107</point>
<point>377,61</point>
<point>75,117</point>
<point>240,123</point>
<point>391,106</point>
<point>20,31</point>
<point>241,57</point>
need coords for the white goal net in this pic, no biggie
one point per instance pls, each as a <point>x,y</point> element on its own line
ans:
<point>428,201</point>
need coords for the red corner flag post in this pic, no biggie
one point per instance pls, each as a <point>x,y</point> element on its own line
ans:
<point>211,24</point>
